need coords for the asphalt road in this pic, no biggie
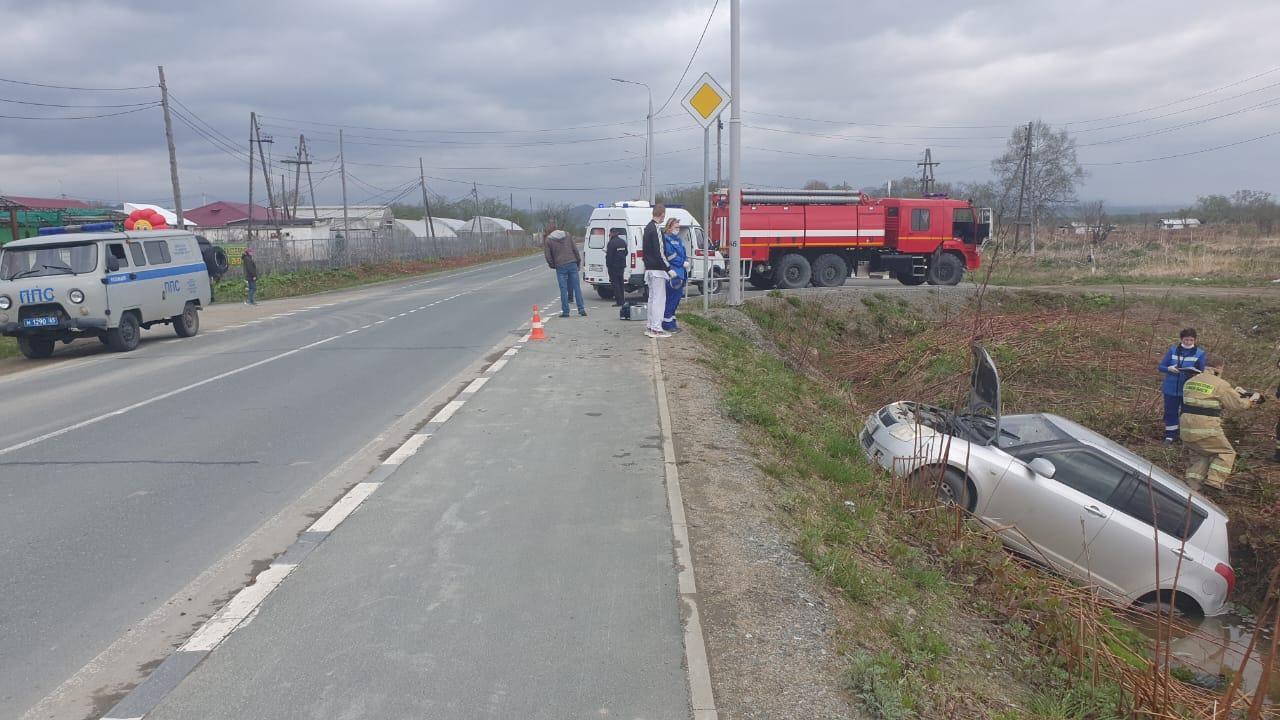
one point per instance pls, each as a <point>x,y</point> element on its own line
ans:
<point>140,490</point>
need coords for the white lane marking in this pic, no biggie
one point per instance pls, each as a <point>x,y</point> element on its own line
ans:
<point>162,396</point>
<point>447,411</point>
<point>402,314</point>
<point>695,650</point>
<point>313,307</point>
<point>344,507</point>
<point>525,338</point>
<point>366,327</point>
<point>353,331</point>
<point>240,608</point>
<point>379,322</point>
<point>475,385</point>
<point>407,450</point>
<point>511,351</point>
<point>497,365</point>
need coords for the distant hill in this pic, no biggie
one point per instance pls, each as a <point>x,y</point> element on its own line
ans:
<point>579,215</point>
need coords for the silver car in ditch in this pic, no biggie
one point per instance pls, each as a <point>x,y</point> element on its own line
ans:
<point>1063,495</point>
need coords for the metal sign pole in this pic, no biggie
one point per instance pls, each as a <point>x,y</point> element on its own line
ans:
<point>706,219</point>
<point>735,154</point>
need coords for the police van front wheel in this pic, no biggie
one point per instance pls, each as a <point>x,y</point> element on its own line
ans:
<point>35,348</point>
<point>125,337</point>
<point>188,323</point>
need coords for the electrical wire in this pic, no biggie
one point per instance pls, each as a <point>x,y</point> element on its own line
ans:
<point>831,157</point>
<point>1260,106</point>
<point>81,117</point>
<point>854,138</point>
<point>425,131</point>
<point>414,143</point>
<point>1175,102</point>
<point>523,167</point>
<point>83,89</point>
<point>883,125</point>
<point>1185,154</point>
<point>688,65</point>
<point>55,105</point>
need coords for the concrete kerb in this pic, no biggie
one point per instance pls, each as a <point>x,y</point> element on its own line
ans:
<point>701,694</point>
<point>243,606</point>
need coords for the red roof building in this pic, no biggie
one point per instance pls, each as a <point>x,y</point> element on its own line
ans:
<point>35,203</point>
<point>222,214</point>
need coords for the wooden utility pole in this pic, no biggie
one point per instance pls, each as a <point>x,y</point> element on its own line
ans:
<point>1022,189</point>
<point>311,188</point>
<point>342,171</point>
<point>173,152</point>
<point>297,174</point>
<point>426,209</point>
<point>266,177</point>
<point>248,231</point>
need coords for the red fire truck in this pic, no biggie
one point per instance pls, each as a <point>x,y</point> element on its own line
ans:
<point>794,238</point>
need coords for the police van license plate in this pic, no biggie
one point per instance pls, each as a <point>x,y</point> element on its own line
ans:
<point>596,268</point>
<point>46,321</point>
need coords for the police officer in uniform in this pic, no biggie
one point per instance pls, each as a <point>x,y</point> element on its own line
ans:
<point>1204,398</point>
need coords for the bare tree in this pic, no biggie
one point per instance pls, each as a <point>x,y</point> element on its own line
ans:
<point>1097,221</point>
<point>1052,177</point>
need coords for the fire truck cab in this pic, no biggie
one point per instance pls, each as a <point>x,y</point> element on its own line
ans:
<point>795,238</point>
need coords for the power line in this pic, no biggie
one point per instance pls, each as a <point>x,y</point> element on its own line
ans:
<point>416,143</point>
<point>1260,106</point>
<point>1178,112</point>
<point>830,157</point>
<point>630,186</point>
<point>872,139</point>
<point>1185,154</point>
<point>522,167</point>
<point>1176,102</point>
<point>426,131</point>
<point>81,117</point>
<point>56,105</point>
<point>83,89</point>
<point>693,55</point>
<point>882,125</point>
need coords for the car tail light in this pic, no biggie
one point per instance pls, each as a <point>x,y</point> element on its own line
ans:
<point>1227,574</point>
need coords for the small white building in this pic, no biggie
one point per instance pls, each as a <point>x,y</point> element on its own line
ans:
<point>1178,223</point>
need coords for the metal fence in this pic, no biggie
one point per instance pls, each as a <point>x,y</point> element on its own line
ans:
<point>357,247</point>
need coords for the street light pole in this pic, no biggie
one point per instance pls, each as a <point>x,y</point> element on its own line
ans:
<point>648,145</point>
<point>735,154</point>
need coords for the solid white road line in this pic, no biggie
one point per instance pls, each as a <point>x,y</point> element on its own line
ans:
<point>162,396</point>
<point>447,411</point>
<point>344,507</point>
<point>407,450</point>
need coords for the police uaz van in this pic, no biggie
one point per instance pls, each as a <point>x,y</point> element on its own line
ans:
<point>88,280</point>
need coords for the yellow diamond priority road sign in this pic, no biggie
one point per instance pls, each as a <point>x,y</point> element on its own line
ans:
<point>705,100</point>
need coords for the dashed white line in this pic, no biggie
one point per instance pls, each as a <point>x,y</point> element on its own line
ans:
<point>475,385</point>
<point>241,607</point>
<point>366,327</point>
<point>344,507</point>
<point>510,352</point>
<point>447,411</point>
<point>407,450</point>
<point>497,365</point>
<point>349,332</point>
<point>379,322</point>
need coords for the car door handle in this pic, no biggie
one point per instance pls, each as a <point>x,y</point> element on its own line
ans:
<point>1093,510</point>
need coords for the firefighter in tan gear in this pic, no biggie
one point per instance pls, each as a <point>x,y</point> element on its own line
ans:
<point>1204,398</point>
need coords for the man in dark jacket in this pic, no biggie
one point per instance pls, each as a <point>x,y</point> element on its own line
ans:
<point>250,275</point>
<point>656,272</point>
<point>615,261</point>
<point>563,256</point>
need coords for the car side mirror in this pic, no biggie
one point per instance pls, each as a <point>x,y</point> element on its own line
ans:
<point>113,263</point>
<point>1042,467</point>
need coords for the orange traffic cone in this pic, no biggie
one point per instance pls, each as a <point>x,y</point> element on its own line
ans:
<point>536,333</point>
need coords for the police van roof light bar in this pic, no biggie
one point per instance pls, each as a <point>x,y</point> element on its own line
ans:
<point>88,227</point>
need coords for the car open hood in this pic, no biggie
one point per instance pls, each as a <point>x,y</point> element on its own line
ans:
<point>981,414</point>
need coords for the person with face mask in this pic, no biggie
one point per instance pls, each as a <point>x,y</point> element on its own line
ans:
<point>1179,363</point>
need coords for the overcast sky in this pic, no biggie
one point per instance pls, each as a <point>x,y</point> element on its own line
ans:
<point>525,89</point>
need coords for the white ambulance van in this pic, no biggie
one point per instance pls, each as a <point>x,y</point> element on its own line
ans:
<point>630,217</point>
<point>90,281</point>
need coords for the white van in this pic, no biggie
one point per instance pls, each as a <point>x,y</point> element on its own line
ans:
<point>89,281</point>
<point>631,216</point>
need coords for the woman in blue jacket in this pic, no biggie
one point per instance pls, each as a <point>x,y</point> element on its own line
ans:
<point>1179,363</point>
<point>673,248</point>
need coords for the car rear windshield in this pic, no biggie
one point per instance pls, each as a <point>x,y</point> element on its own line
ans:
<point>68,259</point>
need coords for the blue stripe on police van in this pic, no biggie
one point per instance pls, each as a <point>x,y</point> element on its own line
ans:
<point>160,272</point>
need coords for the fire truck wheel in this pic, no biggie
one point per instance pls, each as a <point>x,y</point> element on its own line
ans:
<point>829,270</point>
<point>910,280</point>
<point>761,281</point>
<point>947,269</point>
<point>793,271</point>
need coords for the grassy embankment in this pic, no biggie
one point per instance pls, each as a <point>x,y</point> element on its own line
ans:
<point>310,282</point>
<point>1207,257</point>
<point>938,620</point>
